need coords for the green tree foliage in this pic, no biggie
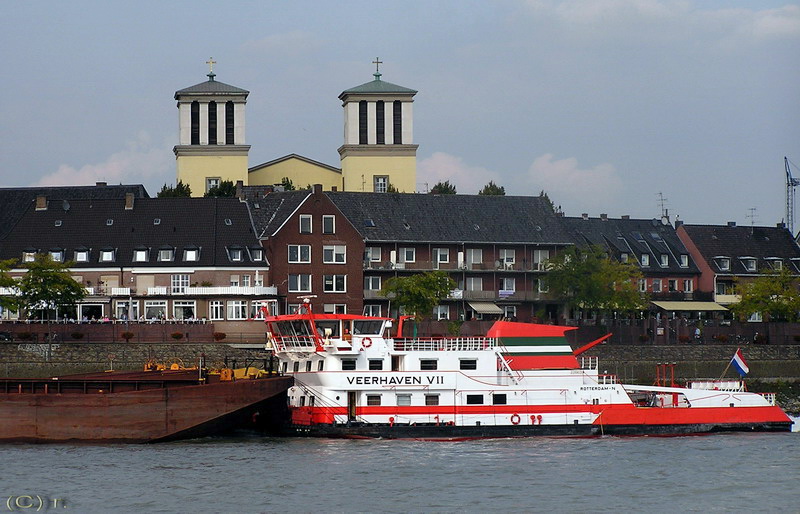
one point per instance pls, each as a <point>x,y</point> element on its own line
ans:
<point>180,190</point>
<point>48,284</point>
<point>774,294</point>
<point>419,293</point>
<point>587,278</point>
<point>492,189</point>
<point>225,189</point>
<point>7,282</point>
<point>443,188</point>
<point>391,189</point>
<point>287,184</point>
<point>547,199</point>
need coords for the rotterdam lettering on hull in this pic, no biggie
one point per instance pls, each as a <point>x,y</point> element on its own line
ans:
<point>396,380</point>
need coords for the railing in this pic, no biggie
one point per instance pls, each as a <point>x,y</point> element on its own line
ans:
<point>120,291</point>
<point>214,290</point>
<point>770,397</point>
<point>607,379</point>
<point>589,362</point>
<point>293,343</point>
<point>446,344</point>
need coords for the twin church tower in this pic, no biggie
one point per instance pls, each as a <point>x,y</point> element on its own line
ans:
<point>378,150</point>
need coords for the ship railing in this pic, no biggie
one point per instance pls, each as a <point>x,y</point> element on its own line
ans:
<point>770,397</point>
<point>293,343</point>
<point>426,344</point>
<point>606,379</point>
<point>589,362</point>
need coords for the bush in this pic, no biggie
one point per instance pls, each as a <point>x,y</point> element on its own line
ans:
<point>127,336</point>
<point>25,336</point>
<point>77,335</point>
<point>219,336</point>
<point>176,336</point>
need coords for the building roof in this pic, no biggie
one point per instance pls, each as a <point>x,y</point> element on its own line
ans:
<point>740,244</point>
<point>377,87</point>
<point>270,209</point>
<point>634,237</point>
<point>212,225</point>
<point>211,87</point>
<point>14,201</point>
<point>294,156</point>
<point>451,218</point>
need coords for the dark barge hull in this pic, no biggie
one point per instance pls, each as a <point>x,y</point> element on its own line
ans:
<point>456,433</point>
<point>135,407</point>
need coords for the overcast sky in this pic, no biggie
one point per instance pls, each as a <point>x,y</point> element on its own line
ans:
<point>604,104</point>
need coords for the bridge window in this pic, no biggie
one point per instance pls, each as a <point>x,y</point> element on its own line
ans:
<point>428,364</point>
<point>474,399</point>
<point>348,364</point>
<point>468,364</point>
<point>499,399</point>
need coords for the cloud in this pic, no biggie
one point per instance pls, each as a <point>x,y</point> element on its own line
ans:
<point>591,190</point>
<point>139,163</point>
<point>442,166</point>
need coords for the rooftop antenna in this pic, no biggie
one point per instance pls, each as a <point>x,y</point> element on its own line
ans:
<point>752,217</point>
<point>791,183</point>
<point>662,202</point>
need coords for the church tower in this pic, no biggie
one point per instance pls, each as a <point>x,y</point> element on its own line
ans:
<point>211,147</point>
<point>378,147</point>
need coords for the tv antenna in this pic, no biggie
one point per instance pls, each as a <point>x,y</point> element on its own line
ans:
<point>791,183</point>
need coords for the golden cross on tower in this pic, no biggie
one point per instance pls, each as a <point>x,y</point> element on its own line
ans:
<point>377,62</point>
<point>211,62</point>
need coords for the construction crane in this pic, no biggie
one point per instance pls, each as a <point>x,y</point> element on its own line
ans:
<point>791,183</point>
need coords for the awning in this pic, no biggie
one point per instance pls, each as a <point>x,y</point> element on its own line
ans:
<point>485,308</point>
<point>690,306</point>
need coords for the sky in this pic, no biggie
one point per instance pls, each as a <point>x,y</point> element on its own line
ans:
<point>610,106</point>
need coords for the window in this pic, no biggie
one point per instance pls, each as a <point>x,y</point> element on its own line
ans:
<point>656,285</point>
<point>542,286</point>
<point>642,285</point>
<point>256,309</point>
<point>664,260</point>
<point>431,399</point>
<point>397,122</point>
<point>474,283</point>
<point>212,182</point>
<point>308,366</point>
<point>124,313</point>
<point>688,285</point>
<point>348,364</point>
<point>57,255</point>
<point>140,255</point>
<point>334,283</point>
<point>499,399</point>
<point>183,309</point>
<point>256,254</point>
<point>645,259</point>
<point>428,364</point>
<point>507,258</point>
<point>540,257</point>
<point>508,285</point>
<point>321,366</point>
<point>296,368</point>
<point>155,309</point>
<point>328,224</point>
<point>372,283</point>
<point>305,224</point>
<point>229,123</point>
<point>474,256</point>
<point>724,288</point>
<point>372,310</point>
<point>293,308</point>
<point>335,254</point>
<point>179,283</point>
<point>623,258</point>
<point>246,280</point>
<point>474,399</point>
<point>372,254</point>
<point>191,254</point>
<point>195,123</point>
<point>107,255</point>
<point>468,364</point>
<point>376,364</point>
<point>777,264</point>
<point>234,281</point>
<point>441,312</point>
<point>380,184</point>
<point>299,254</point>
<point>299,283</point>
<point>81,255</point>
<point>215,310</point>
<point>749,264</point>
<point>362,122</point>
<point>334,308</point>
<point>684,261</point>
<point>440,255</point>
<point>212,123</point>
<point>408,254</point>
<point>510,311</point>
<point>380,122</point>
<point>237,309</point>
<point>235,254</point>
<point>373,399</point>
<point>672,285</point>
<point>403,400</point>
<point>724,263</point>
<point>166,254</point>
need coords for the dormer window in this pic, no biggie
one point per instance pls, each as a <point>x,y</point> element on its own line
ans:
<point>82,255</point>
<point>777,264</point>
<point>109,222</point>
<point>724,263</point>
<point>645,259</point>
<point>623,257</point>
<point>140,255</point>
<point>108,255</point>
<point>684,261</point>
<point>664,260</point>
<point>749,264</point>
<point>235,254</point>
<point>28,256</point>
<point>57,255</point>
<point>166,254</point>
<point>191,254</point>
<point>156,221</point>
<point>256,254</point>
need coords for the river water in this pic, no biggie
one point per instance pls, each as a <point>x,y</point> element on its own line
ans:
<point>713,473</point>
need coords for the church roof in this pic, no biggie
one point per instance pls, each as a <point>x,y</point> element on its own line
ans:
<point>211,87</point>
<point>378,86</point>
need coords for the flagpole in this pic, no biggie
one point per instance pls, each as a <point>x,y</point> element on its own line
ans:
<point>729,365</point>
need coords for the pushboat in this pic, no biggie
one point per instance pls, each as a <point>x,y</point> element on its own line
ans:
<point>352,380</point>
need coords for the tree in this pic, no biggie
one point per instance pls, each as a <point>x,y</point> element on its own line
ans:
<point>287,184</point>
<point>225,189</point>
<point>419,293</point>
<point>47,285</point>
<point>775,293</point>
<point>549,202</point>
<point>492,189</point>
<point>587,278</point>
<point>180,190</point>
<point>9,301</point>
<point>443,188</point>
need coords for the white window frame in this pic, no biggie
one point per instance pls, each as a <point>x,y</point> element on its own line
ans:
<point>178,283</point>
<point>246,280</point>
<point>688,285</point>
<point>372,283</point>
<point>404,253</point>
<point>57,256</point>
<point>332,219</point>
<point>664,260</point>
<point>298,258</point>
<point>28,256</point>
<point>234,281</point>
<point>684,260</point>
<point>505,282</point>
<point>120,306</point>
<point>81,255</point>
<point>236,309</point>
<point>256,254</point>
<point>192,304</point>
<point>191,254</point>
<point>403,399</point>
<point>657,285</point>
<point>216,310</point>
<point>642,285</point>
<point>372,310</point>
<point>299,283</point>
<point>306,224</point>
<point>380,183</point>
<point>507,257</point>
<point>155,304</point>
<point>472,282</point>
<point>334,283</point>
<point>645,260</point>
<point>334,254</point>
<point>474,256</point>
<point>372,254</point>
<point>141,255</point>
<point>108,255</point>
<point>441,312</point>
<point>724,263</point>
<point>441,255</point>
<point>509,311</point>
<point>334,308</point>
<point>236,254</point>
<point>542,286</point>
<point>166,255</point>
<point>212,182</point>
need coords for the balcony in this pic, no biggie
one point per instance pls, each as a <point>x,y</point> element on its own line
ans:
<point>120,291</point>
<point>726,299</point>
<point>215,291</point>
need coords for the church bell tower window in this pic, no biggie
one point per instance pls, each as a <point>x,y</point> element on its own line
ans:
<point>380,120</point>
<point>212,123</point>
<point>195,122</point>
<point>229,123</point>
<point>362,122</point>
<point>397,118</point>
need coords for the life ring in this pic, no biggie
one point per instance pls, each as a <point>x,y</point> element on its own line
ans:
<point>366,342</point>
<point>515,419</point>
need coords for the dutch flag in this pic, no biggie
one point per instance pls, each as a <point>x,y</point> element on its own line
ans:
<point>739,363</point>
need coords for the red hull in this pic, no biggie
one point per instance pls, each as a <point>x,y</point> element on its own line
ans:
<point>165,407</point>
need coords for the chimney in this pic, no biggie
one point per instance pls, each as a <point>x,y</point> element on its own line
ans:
<point>317,189</point>
<point>781,225</point>
<point>41,203</point>
<point>101,184</point>
<point>731,223</point>
<point>626,216</point>
<point>678,223</point>
<point>585,215</point>
<point>604,217</point>
<point>240,189</point>
<point>129,201</point>
<point>334,188</point>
